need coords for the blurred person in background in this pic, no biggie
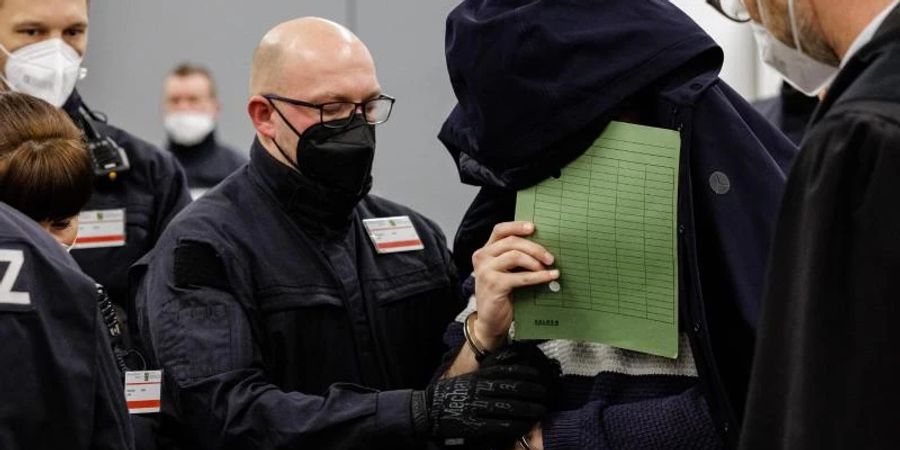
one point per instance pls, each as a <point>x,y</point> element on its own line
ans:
<point>191,107</point>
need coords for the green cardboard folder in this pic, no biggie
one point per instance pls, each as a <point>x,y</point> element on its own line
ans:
<point>610,220</point>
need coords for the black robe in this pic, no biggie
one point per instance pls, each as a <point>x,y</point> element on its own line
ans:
<point>827,368</point>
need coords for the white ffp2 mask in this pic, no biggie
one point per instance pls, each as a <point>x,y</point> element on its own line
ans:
<point>47,70</point>
<point>807,74</point>
<point>189,128</point>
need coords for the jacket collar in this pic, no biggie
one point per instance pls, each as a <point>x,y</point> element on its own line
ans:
<point>73,104</point>
<point>204,148</point>
<point>845,86</point>
<point>297,196</point>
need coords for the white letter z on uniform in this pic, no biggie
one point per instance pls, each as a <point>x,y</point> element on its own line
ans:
<point>15,258</point>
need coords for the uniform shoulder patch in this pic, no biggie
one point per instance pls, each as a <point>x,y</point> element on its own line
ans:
<point>198,265</point>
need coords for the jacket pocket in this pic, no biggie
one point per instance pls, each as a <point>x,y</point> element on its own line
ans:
<point>408,285</point>
<point>412,310</point>
<point>287,298</point>
<point>202,344</point>
<point>309,341</point>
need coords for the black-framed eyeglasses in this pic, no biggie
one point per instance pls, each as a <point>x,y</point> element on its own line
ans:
<point>735,10</point>
<point>340,114</point>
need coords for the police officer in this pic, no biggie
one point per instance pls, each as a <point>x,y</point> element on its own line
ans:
<point>271,300</point>
<point>191,108</point>
<point>59,387</point>
<point>138,187</point>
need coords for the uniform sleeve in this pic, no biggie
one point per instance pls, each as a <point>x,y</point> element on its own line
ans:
<point>205,335</point>
<point>111,421</point>
<point>669,423</point>
<point>58,387</point>
<point>825,369</point>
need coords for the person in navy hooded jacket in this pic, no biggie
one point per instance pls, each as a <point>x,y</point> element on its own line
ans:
<point>536,82</point>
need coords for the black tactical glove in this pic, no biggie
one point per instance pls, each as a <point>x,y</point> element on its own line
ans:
<point>527,353</point>
<point>491,406</point>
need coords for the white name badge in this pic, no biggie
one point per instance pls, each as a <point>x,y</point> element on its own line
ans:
<point>142,391</point>
<point>393,234</point>
<point>101,228</point>
<point>197,192</point>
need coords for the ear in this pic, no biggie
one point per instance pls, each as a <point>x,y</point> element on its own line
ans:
<point>217,108</point>
<point>262,115</point>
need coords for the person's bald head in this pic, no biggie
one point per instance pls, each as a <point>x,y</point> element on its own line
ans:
<point>309,59</point>
<point>302,52</point>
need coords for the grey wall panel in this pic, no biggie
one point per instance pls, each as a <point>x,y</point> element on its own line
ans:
<point>133,44</point>
<point>407,41</point>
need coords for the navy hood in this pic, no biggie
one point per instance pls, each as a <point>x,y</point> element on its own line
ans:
<point>530,76</point>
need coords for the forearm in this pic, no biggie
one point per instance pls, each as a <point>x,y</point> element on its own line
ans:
<point>463,363</point>
<point>466,360</point>
<point>248,412</point>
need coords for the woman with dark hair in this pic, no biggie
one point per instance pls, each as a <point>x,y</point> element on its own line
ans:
<point>45,171</point>
<point>60,387</point>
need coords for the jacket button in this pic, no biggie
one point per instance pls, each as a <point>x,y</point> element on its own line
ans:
<point>697,327</point>
<point>680,229</point>
<point>719,183</point>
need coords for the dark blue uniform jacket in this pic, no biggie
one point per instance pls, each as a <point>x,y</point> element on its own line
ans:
<point>151,192</point>
<point>59,385</point>
<point>537,81</point>
<point>275,336</point>
<point>207,163</point>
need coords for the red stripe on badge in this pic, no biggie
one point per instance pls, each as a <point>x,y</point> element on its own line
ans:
<point>96,239</point>
<point>410,243</point>
<point>139,404</point>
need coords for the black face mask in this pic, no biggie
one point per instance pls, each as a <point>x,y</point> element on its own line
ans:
<point>335,170</point>
<point>337,159</point>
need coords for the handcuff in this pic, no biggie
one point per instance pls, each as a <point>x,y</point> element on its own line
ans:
<point>473,343</point>
<point>523,441</point>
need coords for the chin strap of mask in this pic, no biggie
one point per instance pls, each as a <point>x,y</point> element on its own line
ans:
<point>107,157</point>
<point>287,158</point>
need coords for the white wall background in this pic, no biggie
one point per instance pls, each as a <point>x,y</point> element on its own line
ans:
<point>134,43</point>
<point>743,69</point>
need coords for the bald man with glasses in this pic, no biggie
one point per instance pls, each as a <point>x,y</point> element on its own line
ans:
<point>289,309</point>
